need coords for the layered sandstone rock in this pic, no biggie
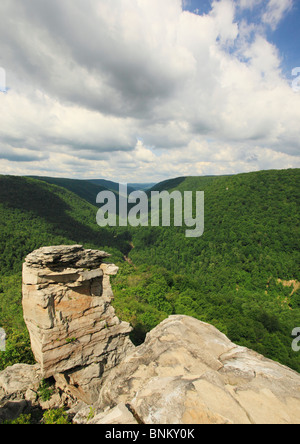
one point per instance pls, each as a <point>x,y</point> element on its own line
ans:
<point>75,334</point>
<point>187,372</point>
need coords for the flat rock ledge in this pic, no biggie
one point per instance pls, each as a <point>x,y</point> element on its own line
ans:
<point>187,372</point>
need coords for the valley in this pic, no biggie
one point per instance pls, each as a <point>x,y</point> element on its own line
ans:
<point>234,277</point>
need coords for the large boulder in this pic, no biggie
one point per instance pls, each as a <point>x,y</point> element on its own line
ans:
<point>187,372</point>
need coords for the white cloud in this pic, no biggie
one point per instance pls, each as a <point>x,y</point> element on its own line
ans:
<point>276,10</point>
<point>223,15</point>
<point>129,89</point>
<point>273,10</point>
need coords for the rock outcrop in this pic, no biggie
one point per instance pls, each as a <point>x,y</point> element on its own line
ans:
<point>75,334</point>
<point>186,372</point>
<point>19,386</point>
<point>16,380</point>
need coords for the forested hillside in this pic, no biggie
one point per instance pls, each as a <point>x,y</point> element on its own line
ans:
<point>242,275</point>
<point>35,214</point>
<point>83,188</point>
<point>88,189</point>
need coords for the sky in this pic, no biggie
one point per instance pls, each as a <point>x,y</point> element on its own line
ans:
<point>146,90</point>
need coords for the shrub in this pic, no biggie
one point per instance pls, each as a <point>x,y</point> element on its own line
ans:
<point>55,416</point>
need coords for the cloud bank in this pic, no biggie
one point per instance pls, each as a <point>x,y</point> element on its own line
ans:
<point>143,90</point>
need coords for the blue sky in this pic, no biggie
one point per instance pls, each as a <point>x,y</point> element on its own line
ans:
<point>203,6</point>
<point>286,36</point>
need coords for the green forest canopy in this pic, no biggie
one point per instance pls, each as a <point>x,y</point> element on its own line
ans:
<point>235,276</point>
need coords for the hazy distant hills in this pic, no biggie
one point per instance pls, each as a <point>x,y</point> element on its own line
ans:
<point>89,189</point>
<point>141,186</point>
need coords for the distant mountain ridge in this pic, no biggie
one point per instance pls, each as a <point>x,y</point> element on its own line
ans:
<point>83,188</point>
<point>89,189</point>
